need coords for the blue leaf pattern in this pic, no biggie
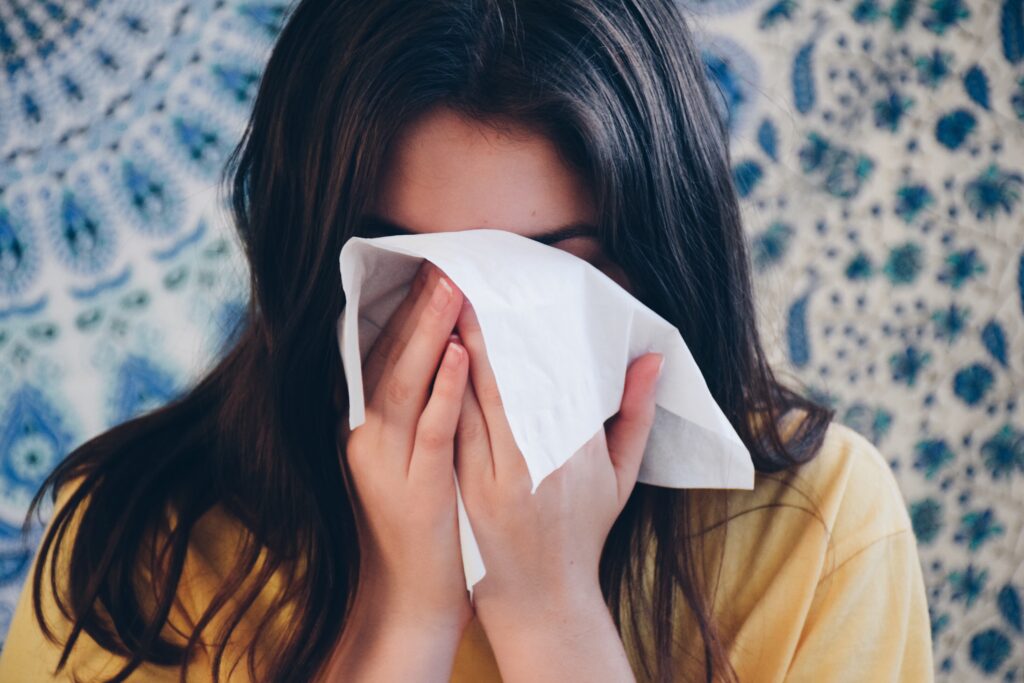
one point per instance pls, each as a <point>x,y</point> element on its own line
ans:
<point>1011,28</point>
<point>994,339</point>
<point>803,78</point>
<point>1020,281</point>
<point>767,137</point>
<point>1008,601</point>
<point>976,85</point>
<point>796,332</point>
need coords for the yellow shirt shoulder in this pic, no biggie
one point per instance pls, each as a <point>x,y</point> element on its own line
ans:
<point>840,598</point>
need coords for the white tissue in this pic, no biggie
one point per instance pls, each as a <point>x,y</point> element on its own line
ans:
<point>559,335</point>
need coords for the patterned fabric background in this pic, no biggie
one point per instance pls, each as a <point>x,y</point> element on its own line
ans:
<point>878,146</point>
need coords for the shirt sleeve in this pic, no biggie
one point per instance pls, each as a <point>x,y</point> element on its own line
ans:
<point>868,620</point>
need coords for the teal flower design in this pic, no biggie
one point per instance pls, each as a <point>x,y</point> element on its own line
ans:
<point>960,267</point>
<point>891,110</point>
<point>945,13</point>
<point>968,584</point>
<point>932,455</point>
<point>950,322</point>
<point>934,68</point>
<point>911,200</point>
<point>992,190</point>
<point>906,364</point>
<point>1003,452</point>
<point>770,246</point>
<point>977,527</point>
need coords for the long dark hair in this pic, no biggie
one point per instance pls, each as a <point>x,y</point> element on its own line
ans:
<point>619,86</point>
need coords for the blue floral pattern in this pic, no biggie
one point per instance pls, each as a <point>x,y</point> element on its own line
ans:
<point>878,149</point>
<point>881,172</point>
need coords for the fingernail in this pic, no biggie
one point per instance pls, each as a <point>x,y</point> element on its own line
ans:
<point>661,364</point>
<point>442,293</point>
<point>452,355</point>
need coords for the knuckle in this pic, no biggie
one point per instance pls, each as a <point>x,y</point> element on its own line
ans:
<point>433,439</point>
<point>397,391</point>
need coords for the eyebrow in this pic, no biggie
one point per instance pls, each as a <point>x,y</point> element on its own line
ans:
<point>383,226</point>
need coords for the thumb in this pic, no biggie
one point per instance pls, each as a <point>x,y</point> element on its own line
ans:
<point>627,431</point>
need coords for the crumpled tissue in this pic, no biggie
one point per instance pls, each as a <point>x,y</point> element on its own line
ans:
<point>559,335</point>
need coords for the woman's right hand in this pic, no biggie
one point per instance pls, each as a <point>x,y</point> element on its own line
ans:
<point>400,464</point>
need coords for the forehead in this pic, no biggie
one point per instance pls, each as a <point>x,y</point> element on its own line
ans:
<point>445,172</point>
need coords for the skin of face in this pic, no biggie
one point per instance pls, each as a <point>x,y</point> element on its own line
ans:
<point>448,173</point>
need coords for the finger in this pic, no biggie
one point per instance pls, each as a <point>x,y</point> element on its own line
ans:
<point>472,442</point>
<point>403,389</point>
<point>628,431</point>
<point>433,453</point>
<point>507,459</point>
<point>398,327</point>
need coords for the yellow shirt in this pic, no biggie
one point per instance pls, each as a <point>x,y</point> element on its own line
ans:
<point>789,607</point>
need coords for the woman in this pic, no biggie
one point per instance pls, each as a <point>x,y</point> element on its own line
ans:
<point>242,533</point>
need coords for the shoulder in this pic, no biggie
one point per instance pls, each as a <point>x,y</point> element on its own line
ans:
<point>214,547</point>
<point>28,653</point>
<point>812,549</point>
<point>795,527</point>
<point>856,489</point>
<point>848,491</point>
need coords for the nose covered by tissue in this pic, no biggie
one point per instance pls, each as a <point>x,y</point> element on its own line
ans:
<point>559,335</point>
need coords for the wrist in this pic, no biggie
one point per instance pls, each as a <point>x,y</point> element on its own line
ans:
<point>564,613</point>
<point>387,645</point>
<point>393,602</point>
<point>403,611</point>
<point>572,637</point>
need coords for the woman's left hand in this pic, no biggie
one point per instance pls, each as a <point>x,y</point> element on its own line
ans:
<point>542,549</point>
